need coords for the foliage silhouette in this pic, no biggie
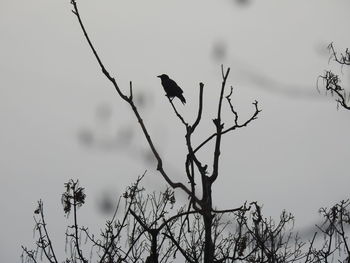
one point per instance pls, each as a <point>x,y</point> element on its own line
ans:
<point>154,228</point>
<point>332,81</point>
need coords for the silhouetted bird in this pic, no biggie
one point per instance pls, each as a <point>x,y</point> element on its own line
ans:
<point>171,88</point>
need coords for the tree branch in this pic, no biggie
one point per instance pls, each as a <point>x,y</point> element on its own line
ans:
<point>219,127</point>
<point>132,105</point>
<point>200,108</point>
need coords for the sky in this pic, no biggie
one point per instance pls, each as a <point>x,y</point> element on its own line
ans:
<point>60,118</point>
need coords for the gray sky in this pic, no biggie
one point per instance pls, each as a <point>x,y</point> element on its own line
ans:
<point>53,96</point>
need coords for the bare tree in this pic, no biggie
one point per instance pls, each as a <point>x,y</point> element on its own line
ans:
<point>152,229</point>
<point>195,168</point>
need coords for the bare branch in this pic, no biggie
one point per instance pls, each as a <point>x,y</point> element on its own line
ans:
<point>177,113</point>
<point>233,127</point>
<point>332,81</point>
<point>228,97</point>
<point>344,58</point>
<point>29,254</point>
<point>200,108</point>
<point>41,209</point>
<point>130,96</point>
<point>172,238</point>
<point>332,84</point>
<point>133,107</point>
<point>219,127</point>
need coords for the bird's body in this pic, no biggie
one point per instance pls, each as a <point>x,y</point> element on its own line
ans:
<point>171,88</point>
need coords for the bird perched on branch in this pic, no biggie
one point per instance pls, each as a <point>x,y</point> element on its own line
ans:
<point>171,88</point>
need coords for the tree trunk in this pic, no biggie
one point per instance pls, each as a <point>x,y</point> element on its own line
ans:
<point>209,245</point>
<point>209,248</point>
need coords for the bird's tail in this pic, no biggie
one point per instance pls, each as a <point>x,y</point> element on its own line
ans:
<point>182,98</point>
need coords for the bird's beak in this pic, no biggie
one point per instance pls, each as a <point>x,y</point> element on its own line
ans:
<point>159,76</point>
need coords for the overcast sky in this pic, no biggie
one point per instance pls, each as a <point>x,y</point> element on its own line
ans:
<point>60,118</point>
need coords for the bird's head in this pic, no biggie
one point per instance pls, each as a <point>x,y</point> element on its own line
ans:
<point>163,76</point>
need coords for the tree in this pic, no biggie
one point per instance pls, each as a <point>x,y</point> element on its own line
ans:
<point>194,166</point>
<point>153,229</point>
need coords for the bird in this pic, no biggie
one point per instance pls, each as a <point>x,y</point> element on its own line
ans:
<point>171,88</point>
